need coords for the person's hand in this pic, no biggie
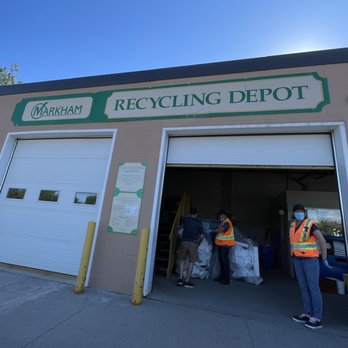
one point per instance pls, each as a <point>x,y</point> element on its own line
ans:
<point>326,264</point>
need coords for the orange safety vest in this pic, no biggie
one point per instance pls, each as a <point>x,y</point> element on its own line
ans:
<point>225,238</point>
<point>302,244</point>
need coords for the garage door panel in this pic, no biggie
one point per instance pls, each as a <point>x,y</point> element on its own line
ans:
<point>44,264</point>
<point>48,238</point>
<point>50,235</point>
<point>67,148</point>
<point>51,221</point>
<point>62,207</point>
<point>67,193</point>
<point>70,170</point>
<point>263,150</point>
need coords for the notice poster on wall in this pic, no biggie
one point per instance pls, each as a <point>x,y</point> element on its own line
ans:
<point>127,199</point>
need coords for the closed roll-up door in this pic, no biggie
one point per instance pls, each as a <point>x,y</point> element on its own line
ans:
<point>299,150</point>
<point>52,189</point>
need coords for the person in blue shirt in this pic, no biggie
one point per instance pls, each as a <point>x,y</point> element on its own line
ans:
<point>191,238</point>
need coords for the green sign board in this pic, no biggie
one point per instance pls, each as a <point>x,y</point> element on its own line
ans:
<point>307,92</point>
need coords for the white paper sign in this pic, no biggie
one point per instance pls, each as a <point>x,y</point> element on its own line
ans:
<point>127,198</point>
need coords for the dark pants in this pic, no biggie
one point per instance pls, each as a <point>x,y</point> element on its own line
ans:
<point>223,252</point>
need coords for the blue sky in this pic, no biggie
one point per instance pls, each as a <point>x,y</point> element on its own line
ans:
<point>59,39</point>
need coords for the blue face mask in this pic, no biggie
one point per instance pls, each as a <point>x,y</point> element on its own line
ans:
<point>299,215</point>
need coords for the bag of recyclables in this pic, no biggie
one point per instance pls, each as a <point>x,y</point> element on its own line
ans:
<point>244,263</point>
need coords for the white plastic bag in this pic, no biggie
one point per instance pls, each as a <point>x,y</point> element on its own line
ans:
<point>243,263</point>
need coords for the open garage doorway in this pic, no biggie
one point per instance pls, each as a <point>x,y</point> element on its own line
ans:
<point>259,200</point>
<point>256,178</point>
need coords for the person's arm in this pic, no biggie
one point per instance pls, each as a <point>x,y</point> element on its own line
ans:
<point>322,243</point>
<point>200,233</point>
<point>225,227</point>
<point>222,228</point>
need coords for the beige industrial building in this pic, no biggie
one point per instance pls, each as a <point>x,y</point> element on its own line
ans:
<point>251,136</point>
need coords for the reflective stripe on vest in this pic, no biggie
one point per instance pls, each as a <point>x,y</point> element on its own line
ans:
<point>301,242</point>
<point>225,238</point>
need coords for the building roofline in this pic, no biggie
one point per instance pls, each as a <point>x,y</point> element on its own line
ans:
<point>294,60</point>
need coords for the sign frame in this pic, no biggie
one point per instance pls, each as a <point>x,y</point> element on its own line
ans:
<point>101,109</point>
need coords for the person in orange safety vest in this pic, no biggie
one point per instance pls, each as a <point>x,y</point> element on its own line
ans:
<point>224,241</point>
<point>305,238</point>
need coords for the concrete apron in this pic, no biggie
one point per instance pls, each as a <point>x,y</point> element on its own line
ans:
<point>274,301</point>
<point>42,311</point>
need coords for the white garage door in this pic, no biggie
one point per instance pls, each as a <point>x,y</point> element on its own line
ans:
<point>52,189</point>
<point>300,150</point>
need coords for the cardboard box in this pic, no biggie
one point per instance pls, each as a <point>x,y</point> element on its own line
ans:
<point>332,285</point>
<point>328,285</point>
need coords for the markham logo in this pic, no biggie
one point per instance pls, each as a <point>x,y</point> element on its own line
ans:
<point>58,109</point>
<point>44,109</point>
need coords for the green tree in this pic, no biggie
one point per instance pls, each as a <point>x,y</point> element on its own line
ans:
<point>331,228</point>
<point>8,75</point>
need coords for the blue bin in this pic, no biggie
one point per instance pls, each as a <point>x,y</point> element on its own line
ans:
<point>268,256</point>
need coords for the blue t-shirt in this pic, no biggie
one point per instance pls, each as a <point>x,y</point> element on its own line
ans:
<point>193,229</point>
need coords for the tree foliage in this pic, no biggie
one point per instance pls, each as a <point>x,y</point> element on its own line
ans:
<point>8,75</point>
<point>331,228</point>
